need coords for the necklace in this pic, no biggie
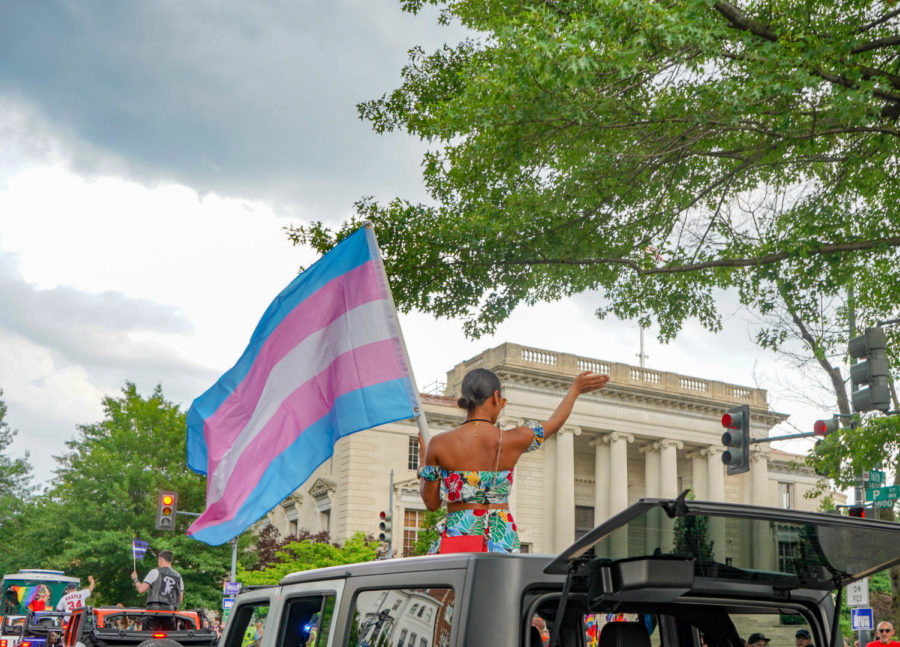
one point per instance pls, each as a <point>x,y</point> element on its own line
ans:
<point>475,422</point>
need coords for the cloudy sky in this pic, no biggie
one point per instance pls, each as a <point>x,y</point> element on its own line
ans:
<point>152,152</point>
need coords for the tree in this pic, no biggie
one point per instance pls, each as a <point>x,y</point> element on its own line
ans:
<point>656,153</point>
<point>15,490</point>
<point>305,554</point>
<point>104,495</point>
<point>430,531</point>
<point>569,136</point>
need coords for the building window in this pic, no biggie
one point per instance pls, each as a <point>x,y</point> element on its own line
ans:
<point>584,520</point>
<point>292,528</point>
<point>786,495</point>
<point>412,523</point>
<point>412,461</point>
<point>525,548</point>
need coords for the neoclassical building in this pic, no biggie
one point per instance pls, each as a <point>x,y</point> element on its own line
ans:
<point>648,433</point>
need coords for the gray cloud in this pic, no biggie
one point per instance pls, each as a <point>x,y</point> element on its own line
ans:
<point>250,99</point>
<point>88,328</point>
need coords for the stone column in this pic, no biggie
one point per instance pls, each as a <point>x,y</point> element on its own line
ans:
<point>506,422</point>
<point>668,467</point>
<point>763,543</point>
<point>618,487</point>
<point>715,490</point>
<point>699,475</point>
<point>601,479</point>
<point>618,471</point>
<point>564,505</point>
<point>650,450</point>
<point>651,469</point>
<point>715,474</point>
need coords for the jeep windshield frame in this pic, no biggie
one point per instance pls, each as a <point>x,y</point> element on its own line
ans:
<point>786,549</point>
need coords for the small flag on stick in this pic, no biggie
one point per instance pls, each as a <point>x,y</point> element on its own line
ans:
<point>139,548</point>
<point>326,360</point>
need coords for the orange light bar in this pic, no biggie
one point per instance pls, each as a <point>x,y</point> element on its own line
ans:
<point>159,634</point>
<point>3,642</point>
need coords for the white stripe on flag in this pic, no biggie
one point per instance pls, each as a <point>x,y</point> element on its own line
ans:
<point>366,324</point>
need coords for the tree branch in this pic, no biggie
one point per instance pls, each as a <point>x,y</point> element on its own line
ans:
<point>876,44</point>
<point>768,259</point>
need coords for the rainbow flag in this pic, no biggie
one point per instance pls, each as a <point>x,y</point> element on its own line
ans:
<point>326,360</point>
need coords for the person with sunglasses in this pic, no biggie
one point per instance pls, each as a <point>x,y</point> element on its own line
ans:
<point>471,467</point>
<point>884,636</point>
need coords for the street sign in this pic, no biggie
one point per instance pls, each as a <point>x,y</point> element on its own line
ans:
<point>862,619</point>
<point>884,504</point>
<point>888,493</point>
<point>876,478</point>
<point>231,588</point>
<point>858,593</point>
<point>227,603</point>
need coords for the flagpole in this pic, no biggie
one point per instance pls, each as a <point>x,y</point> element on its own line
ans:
<point>133,557</point>
<point>419,411</point>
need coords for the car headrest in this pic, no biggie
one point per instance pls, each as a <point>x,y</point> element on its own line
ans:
<point>624,634</point>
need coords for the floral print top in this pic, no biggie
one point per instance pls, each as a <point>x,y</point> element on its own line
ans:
<point>477,486</point>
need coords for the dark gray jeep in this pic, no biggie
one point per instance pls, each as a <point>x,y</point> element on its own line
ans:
<point>662,573</point>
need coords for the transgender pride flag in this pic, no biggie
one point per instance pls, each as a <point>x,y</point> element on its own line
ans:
<point>326,360</point>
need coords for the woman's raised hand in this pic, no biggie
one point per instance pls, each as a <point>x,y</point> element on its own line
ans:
<point>587,382</point>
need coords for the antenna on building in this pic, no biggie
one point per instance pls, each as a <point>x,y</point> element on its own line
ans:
<point>641,355</point>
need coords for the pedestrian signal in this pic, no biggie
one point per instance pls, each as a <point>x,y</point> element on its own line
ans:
<point>872,373</point>
<point>166,507</point>
<point>737,440</point>
<point>857,511</point>
<point>384,526</point>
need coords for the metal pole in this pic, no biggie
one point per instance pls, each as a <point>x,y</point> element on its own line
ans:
<point>233,559</point>
<point>391,508</point>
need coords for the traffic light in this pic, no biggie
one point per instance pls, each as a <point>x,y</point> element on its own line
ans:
<point>872,373</point>
<point>737,439</point>
<point>166,507</point>
<point>825,427</point>
<point>857,511</point>
<point>385,525</point>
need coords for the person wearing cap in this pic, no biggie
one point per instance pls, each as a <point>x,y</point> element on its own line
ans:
<point>757,640</point>
<point>73,598</point>
<point>803,638</point>
<point>884,636</point>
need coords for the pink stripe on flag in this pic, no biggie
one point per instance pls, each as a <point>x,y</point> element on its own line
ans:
<point>356,287</point>
<point>365,366</point>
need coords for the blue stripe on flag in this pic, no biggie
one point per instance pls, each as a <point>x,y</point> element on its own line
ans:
<point>352,412</point>
<point>349,254</point>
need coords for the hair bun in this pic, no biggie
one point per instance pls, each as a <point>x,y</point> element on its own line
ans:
<point>464,403</point>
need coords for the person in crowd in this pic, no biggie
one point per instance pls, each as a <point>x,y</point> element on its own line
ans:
<point>73,598</point>
<point>803,638</point>
<point>884,635</point>
<point>41,601</point>
<point>164,583</point>
<point>757,640</point>
<point>471,467</point>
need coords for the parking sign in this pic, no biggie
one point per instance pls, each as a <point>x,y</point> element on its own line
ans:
<point>858,593</point>
<point>862,619</point>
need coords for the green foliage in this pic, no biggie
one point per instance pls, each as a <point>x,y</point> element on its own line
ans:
<point>431,525</point>
<point>308,554</point>
<point>843,455</point>
<point>754,146</point>
<point>104,495</point>
<point>15,491</point>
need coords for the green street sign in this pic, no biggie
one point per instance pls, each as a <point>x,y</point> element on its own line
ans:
<point>883,493</point>
<point>876,478</point>
<point>883,504</point>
